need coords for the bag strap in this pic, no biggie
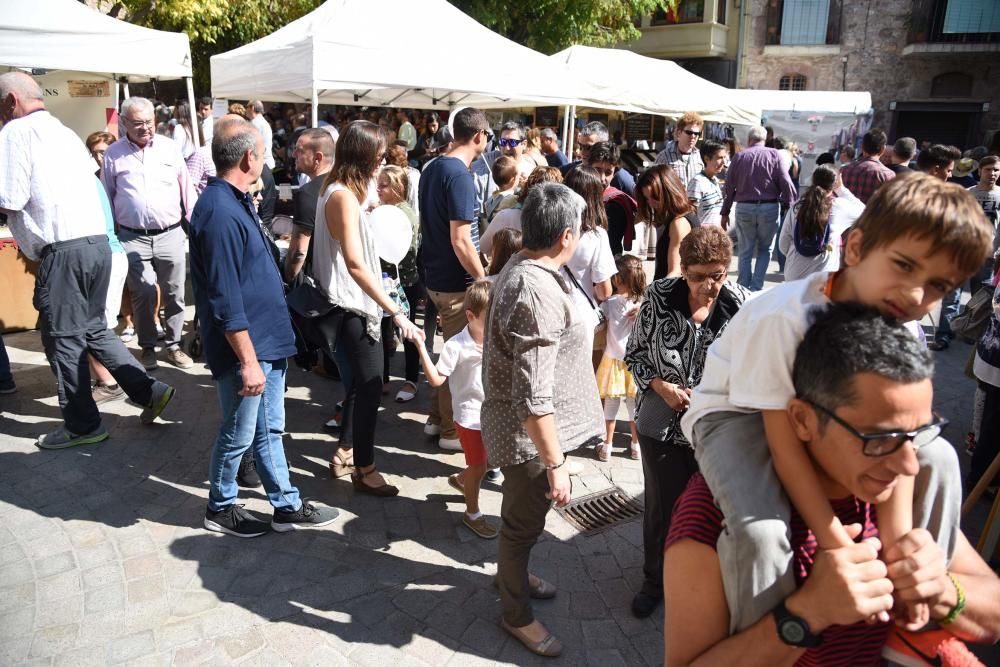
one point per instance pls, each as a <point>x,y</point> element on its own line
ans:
<point>576,283</point>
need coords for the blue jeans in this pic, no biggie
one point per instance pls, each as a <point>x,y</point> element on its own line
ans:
<point>757,225</point>
<point>256,421</point>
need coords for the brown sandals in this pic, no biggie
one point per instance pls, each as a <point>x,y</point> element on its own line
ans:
<point>384,491</point>
<point>341,465</point>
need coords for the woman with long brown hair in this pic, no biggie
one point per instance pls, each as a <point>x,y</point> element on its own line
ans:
<point>346,267</point>
<point>811,233</point>
<point>663,201</point>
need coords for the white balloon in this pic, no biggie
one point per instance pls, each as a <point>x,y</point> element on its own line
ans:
<point>392,232</point>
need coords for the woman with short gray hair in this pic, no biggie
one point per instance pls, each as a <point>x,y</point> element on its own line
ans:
<point>541,397</point>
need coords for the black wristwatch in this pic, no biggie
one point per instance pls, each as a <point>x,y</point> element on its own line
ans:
<point>794,630</point>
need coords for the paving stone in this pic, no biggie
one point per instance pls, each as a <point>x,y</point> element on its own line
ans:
<point>66,612</point>
<point>10,553</point>
<point>587,604</point>
<point>102,575</point>
<point>97,554</point>
<point>191,603</point>
<point>18,597</point>
<point>243,644</point>
<point>325,656</point>
<point>177,633</point>
<point>131,647</point>
<point>195,653</point>
<point>105,598</point>
<point>16,573</point>
<point>16,624</point>
<point>91,656</point>
<point>603,633</point>
<point>14,651</point>
<point>142,566</point>
<point>53,640</point>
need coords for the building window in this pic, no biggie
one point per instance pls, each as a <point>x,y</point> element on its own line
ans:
<point>803,22</point>
<point>952,84</point>
<point>971,16</point>
<point>720,17</point>
<point>687,11</point>
<point>792,82</point>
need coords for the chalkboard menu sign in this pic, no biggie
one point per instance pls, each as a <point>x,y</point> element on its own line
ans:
<point>638,127</point>
<point>659,128</point>
<point>546,116</point>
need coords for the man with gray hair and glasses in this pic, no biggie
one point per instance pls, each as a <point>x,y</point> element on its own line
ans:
<point>593,133</point>
<point>53,204</point>
<point>151,194</point>
<point>550,148</point>
<point>248,339</point>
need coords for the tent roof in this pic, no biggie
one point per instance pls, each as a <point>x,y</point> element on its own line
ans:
<point>634,83</point>
<point>400,53</point>
<point>829,101</point>
<point>65,34</point>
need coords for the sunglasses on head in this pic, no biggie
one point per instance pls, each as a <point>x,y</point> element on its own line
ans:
<point>510,143</point>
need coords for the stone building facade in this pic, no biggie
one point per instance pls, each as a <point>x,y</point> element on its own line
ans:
<point>928,79</point>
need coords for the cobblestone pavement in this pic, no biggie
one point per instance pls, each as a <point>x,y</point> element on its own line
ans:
<point>103,558</point>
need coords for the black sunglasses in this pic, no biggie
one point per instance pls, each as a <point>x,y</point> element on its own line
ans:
<point>692,133</point>
<point>510,143</point>
<point>883,443</point>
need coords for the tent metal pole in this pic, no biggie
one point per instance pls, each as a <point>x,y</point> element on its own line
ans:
<point>571,134</point>
<point>193,110</point>
<point>565,127</point>
<point>126,91</point>
<point>315,107</point>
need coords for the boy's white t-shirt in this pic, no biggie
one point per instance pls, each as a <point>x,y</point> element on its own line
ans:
<point>617,309</point>
<point>461,360</point>
<point>749,366</point>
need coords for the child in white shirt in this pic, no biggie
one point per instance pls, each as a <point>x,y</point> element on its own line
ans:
<point>614,381</point>
<point>917,239</point>
<point>461,364</point>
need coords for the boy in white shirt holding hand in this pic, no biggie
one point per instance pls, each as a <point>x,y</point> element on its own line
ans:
<point>461,364</point>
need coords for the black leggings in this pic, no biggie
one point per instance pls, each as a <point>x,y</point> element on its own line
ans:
<point>666,469</point>
<point>364,395</point>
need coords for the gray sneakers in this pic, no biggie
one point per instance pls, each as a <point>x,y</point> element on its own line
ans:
<point>148,359</point>
<point>63,439</point>
<point>175,356</point>
<point>105,394</point>
<point>162,393</point>
<point>307,516</point>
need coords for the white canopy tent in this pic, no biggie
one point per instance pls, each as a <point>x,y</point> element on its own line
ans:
<point>633,83</point>
<point>67,35</point>
<point>343,53</point>
<point>820,101</point>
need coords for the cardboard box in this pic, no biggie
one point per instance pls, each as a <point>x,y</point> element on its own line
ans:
<point>17,287</point>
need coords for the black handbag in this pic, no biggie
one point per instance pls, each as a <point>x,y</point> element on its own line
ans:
<point>316,321</point>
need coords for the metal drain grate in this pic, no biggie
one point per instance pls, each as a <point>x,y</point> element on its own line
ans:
<point>602,510</point>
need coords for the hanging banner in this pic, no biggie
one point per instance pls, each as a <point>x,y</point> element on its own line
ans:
<point>814,132</point>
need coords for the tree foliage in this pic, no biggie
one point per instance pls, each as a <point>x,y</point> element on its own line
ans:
<point>213,26</point>
<point>552,25</point>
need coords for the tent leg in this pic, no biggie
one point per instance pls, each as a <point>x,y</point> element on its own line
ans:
<point>126,91</point>
<point>315,108</point>
<point>193,110</point>
<point>565,127</point>
<point>571,133</point>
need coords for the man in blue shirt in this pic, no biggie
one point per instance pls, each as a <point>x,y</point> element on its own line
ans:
<point>449,248</point>
<point>550,148</point>
<point>247,336</point>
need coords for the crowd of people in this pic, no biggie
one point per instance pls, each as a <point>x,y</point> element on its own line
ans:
<point>800,502</point>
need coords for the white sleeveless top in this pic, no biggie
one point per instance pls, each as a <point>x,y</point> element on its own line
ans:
<point>329,268</point>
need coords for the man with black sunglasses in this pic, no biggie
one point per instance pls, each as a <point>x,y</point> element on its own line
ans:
<point>682,152</point>
<point>863,410</point>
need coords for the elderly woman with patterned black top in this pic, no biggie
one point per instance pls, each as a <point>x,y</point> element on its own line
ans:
<point>678,320</point>
<point>541,396</point>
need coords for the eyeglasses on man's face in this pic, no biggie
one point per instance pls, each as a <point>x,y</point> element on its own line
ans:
<point>138,123</point>
<point>510,143</point>
<point>883,443</point>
